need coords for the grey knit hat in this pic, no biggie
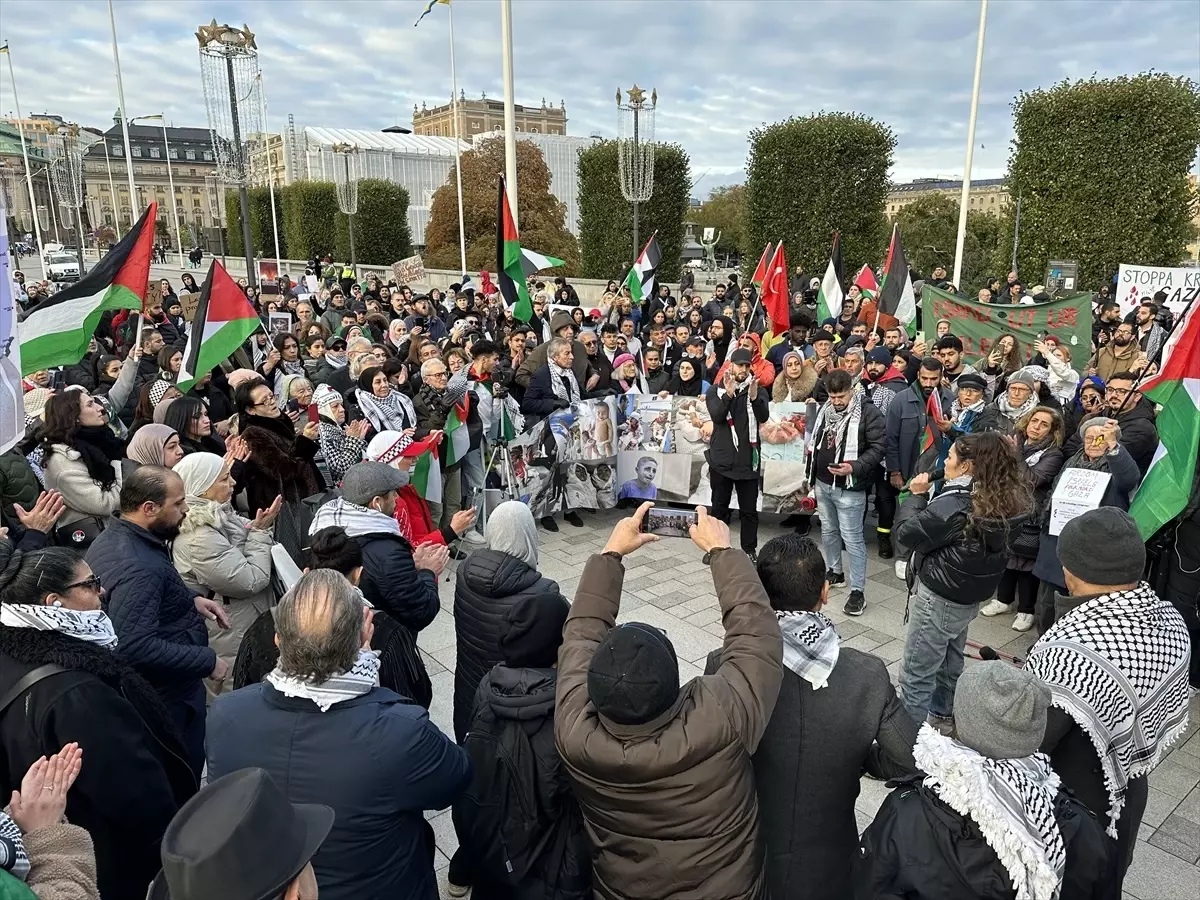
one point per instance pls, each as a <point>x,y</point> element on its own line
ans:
<point>1103,547</point>
<point>1000,710</point>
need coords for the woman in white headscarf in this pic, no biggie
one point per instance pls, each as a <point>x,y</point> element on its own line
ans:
<point>221,555</point>
<point>489,583</point>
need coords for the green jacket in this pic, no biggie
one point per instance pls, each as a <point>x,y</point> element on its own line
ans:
<point>18,484</point>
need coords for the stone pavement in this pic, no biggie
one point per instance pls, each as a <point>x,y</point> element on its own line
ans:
<point>667,586</point>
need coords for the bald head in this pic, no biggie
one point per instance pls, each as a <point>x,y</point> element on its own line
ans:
<point>319,626</point>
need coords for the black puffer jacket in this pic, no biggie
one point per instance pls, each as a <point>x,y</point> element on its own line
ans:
<point>135,777</point>
<point>918,848</point>
<point>961,566</point>
<point>489,583</point>
<point>510,699</point>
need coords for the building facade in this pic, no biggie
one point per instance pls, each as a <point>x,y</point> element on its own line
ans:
<point>484,116</point>
<point>267,161</point>
<point>14,189</point>
<point>192,159</point>
<point>988,195</point>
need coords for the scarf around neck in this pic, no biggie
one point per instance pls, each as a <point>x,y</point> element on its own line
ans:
<point>568,391</point>
<point>93,625</point>
<point>845,425</point>
<point>810,645</point>
<point>99,447</point>
<point>357,520</point>
<point>963,416</point>
<point>394,412</point>
<point>362,677</point>
<point>1118,665</point>
<point>743,388</point>
<point>1012,802</point>
<point>1015,412</point>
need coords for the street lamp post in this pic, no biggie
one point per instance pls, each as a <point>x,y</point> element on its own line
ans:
<point>37,228</point>
<point>635,150</point>
<point>67,168</point>
<point>170,178</point>
<point>346,182</point>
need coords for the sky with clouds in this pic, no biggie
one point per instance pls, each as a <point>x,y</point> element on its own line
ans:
<point>721,67</point>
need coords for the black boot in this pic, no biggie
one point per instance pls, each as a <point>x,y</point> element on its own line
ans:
<point>884,539</point>
<point>549,524</point>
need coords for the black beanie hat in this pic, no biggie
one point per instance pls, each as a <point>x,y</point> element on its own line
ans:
<point>634,674</point>
<point>531,631</point>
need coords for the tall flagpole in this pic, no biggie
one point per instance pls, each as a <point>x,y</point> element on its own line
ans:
<point>262,103</point>
<point>111,189</point>
<point>37,229</point>
<point>510,113</point>
<point>462,233</point>
<point>133,204</point>
<point>966,185</point>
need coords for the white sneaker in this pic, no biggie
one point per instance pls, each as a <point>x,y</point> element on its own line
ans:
<point>901,568</point>
<point>995,608</point>
<point>471,536</point>
<point>1023,622</point>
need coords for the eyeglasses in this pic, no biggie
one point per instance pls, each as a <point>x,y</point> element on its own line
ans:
<point>91,584</point>
<point>441,374</point>
<point>1117,392</point>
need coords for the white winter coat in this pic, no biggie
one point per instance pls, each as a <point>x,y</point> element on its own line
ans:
<point>218,553</point>
<point>66,473</point>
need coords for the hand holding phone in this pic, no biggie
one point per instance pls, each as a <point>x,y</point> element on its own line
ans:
<point>668,522</point>
<point>313,412</point>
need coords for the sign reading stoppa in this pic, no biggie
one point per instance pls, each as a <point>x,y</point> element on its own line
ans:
<point>1135,283</point>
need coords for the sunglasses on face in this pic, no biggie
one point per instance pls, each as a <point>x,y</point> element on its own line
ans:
<point>91,584</point>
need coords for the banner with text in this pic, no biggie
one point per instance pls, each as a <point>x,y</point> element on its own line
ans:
<point>980,325</point>
<point>1135,283</point>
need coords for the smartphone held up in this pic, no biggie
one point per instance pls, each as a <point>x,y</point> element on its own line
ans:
<point>669,522</point>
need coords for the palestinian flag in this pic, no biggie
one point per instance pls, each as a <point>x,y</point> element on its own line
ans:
<point>533,262</point>
<point>760,271</point>
<point>509,269</point>
<point>223,321</point>
<point>865,279</point>
<point>829,300</point>
<point>459,440</point>
<point>640,279</point>
<point>56,332</point>
<point>427,470</point>
<point>1165,490</point>
<point>896,296</point>
<point>935,414</point>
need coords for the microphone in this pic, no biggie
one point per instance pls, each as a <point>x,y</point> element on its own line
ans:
<point>987,653</point>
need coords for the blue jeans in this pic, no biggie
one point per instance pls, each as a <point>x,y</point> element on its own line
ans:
<point>842,514</point>
<point>933,652</point>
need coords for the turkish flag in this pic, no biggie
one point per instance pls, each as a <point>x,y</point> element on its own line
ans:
<point>775,291</point>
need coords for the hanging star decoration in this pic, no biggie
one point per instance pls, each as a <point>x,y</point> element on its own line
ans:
<point>636,96</point>
<point>226,34</point>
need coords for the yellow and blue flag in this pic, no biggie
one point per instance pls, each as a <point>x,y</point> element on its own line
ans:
<point>428,9</point>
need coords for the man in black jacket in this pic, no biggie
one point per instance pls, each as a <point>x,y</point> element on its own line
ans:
<point>837,716</point>
<point>1135,414</point>
<point>555,386</point>
<point>984,817</point>
<point>846,449</point>
<point>737,408</point>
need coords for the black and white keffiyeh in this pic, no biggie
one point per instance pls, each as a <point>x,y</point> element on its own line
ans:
<point>1118,665</point>
<point>357,520</point>
<point>362,677</point>
<point>1012,802</point>
<point>13,858</point>
<point>92,625</point>
<point>394,412</point>
<point>568,390</point>
<point>339,451</point>
<point>845,424</point>
<point>810,646</point>
<point>743,388</point>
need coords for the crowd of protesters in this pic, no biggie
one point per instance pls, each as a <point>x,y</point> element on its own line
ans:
<point>215,722</point>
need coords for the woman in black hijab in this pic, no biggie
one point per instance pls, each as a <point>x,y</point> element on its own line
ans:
<point>686,382</point>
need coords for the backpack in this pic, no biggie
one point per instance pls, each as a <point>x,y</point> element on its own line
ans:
<point>497,817</point>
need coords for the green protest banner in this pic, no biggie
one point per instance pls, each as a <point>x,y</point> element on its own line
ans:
<point>980,325</point>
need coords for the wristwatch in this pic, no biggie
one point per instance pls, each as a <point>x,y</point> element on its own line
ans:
<point>707,558</point>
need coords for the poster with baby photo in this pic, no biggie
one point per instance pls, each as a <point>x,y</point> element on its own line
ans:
<point>594,431</point>
<point>533,481</point>
<point>589,485</point>
<point>781,437</point>
<point>643,422</point>
<point>660,477</point>
<point>691,426</point>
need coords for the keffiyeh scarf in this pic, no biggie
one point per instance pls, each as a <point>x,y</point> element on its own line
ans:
<point>357,520</point>
<point>810,646</point>
<point>93,625</point>
<point>391,413</point>
<point>363,676</point>
<point>568,391</point>
<point>743,388</point>
<point>1014,413</point>
<point>844,424</point>
<point>1118,665</point>
<point>1012,802</point>
<point>964,416</point>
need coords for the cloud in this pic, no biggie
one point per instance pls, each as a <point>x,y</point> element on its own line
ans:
<point>721,68</point>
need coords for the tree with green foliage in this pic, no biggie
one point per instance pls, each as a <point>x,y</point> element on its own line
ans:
<point>929,230</point>
<point>809,177</point>
<point>541,217</point>
<point>1101,167</point>
<point>309,225</point>
<point>606,217</point>
<point>262,239</point>
<point>724,210</point>
<point>381,234</point>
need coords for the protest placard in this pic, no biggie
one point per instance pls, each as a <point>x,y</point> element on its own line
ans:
<point>1077,491</point>
<point>1135,283</point>
<point>980,325</point>
<point>12,403</point>
<point>189,302</point>
<point>278,323</point>
<point>409,271</point>
<point>268,276</point>
<point>153,294</point>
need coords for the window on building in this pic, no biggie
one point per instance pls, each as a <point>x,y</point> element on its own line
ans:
<point>137,151</point>
<point>196,202</point>
<point>993,199</point>
<point>190,154</point>
<point>137,170</point>
<point>174,153</point>
<point>195,190</point>
<point>154,153</point>
<point>496,128</point>
<point>191,171</point>
<point>208,157</point>
<point>533,130</point>
<point>117,150</point>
